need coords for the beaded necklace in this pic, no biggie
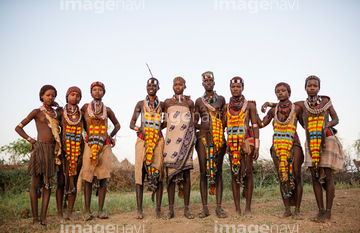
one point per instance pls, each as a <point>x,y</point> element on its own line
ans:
<point>178,99</point>
<point>50,110</point>
<point>314,101</point>
<point>211,99</point>
<point>236,103</point>
<point>72,114</point>
<point>93,114</point>
<point>154,105</point>
<point>236,133</point>
<point>284,133</point>
<point>97,107</point>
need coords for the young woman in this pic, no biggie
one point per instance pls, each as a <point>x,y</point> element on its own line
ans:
<point>242,143</point>
<point>286,151</point>
<point>72,125</point>
<point>323,151</point>
<point>97,152</point>
<point>46,150</point>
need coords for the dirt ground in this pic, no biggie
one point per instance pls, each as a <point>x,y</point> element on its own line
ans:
<point>345,218</point>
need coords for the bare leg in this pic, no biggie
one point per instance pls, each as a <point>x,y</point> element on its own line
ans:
<point>286,201</point>
<point>249,182</point>
<point>297,162</point>
<point>71,200</point>
<point>102,194</point>
<point>159,193</point>
<point>139,196</point>
<point>236,190</point>
<point>45,204</point>
<point>87,195</point>
<point>318,194</point>
<point>203,179</point>
<point>171,197</point>
<point>330,191</point>
<point>35,183</point>
<point>219,184</point>
<point>187,188</point>
<point>60,193</point>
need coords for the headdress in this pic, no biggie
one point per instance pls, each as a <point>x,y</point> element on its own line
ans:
<point>99,84</point>
<point>44,89</point>
<point>207,74</point>
<point>287,86</point>
<point>154,81</point>
<point>237,79</point>
<point>180,79</point>
<point>73,89</point>
<point>310,78</point>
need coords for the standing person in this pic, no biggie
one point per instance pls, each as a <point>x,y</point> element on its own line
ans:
<point>210,144</point>
<point>149,146</point>
<point>46,150</point>
<point>179,145</point>
<point>286,150</point>
<point>72,125</point>
<point>323,151</point>
<point>97,152</point>
<point>241,140</point>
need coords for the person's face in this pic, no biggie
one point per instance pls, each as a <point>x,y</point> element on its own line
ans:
<point>151,89</point>
<point>282,93</point>
<point>178,87</point>
<point>49,97</point>
<point>236,89</point>
<point>74,98</point>
<point>312,87</point>
<point>208,84</point>
<point>97,92</point>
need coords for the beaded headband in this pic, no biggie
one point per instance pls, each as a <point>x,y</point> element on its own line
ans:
<point>153,81</point>
<point>207,74</point>
<point>179,79</point>
<point>99,84</point>
<point>237,80</point>
<point>312,77</point>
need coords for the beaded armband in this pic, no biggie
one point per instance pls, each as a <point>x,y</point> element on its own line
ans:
<point>335,117</point>
<point>255,126</point>
<point>21,125</point>
<point>133,122</point>
<point>271,104</point>
<point>268,117</point>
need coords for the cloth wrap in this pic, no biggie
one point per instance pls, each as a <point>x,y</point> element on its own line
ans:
<point>324,150</point>
<point>179,142</point>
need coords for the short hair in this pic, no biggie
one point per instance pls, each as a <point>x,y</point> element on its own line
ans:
<point>312,77</point>
<point>73,89</point>
<point>44,89</point>
<point>287,86</point>
<point>154,81</point>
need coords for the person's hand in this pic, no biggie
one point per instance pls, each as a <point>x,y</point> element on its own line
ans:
<point>113,142</point>
<point>255,154</point>
<point>264,106</point>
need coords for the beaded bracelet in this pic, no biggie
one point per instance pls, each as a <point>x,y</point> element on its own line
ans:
<point>28,139</point>
<point>271,104</point>
<point>257,143</point>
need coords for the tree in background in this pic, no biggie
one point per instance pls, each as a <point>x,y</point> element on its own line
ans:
<point>19,151</point>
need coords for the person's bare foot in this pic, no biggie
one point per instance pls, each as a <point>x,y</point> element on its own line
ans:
<point>88,216</point>
<point>60,217</point>
<point>71,217</point>
<point>140,214</point>
<point>238,212</point>
<point>325,217</point>
<point>44,221</point>
<point>247,211</point>
<point>220,213</point>
<point>102,215</point>
<point>204,213</point>
<point>158,213</point>
<point>169,215</point>
<point>316,216</point>
<point>297,215</point>
<point>287,213</point>
<point>188,214</point>
<point>36,222</point>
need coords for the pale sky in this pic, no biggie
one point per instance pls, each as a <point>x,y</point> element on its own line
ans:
<point>66,43</point>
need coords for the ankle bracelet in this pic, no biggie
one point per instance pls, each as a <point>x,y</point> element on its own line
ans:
<point>328,210</point>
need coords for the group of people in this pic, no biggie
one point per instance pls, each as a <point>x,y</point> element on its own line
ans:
<point>60,147</point>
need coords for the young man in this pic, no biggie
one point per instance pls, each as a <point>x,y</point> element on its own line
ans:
<point>241,141</point>
<point>72,125</point>
<point>210,144</point>
<point>149,146</point>
<point>179,145</point>
<point>97,152</point>
<point>46,150</point>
